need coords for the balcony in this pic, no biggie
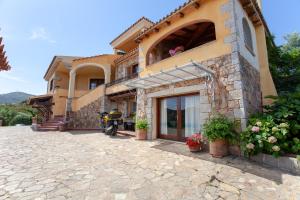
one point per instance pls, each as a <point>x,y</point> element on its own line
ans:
<point>179,41</point>
<point>117,86</point>
<point>120,80</point>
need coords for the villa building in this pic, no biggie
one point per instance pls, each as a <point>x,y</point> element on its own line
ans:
<point>205,56</point>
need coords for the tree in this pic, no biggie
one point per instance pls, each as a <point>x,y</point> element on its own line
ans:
<point>285,63</point>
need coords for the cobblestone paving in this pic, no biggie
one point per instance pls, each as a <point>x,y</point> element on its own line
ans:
<point>59,166</point>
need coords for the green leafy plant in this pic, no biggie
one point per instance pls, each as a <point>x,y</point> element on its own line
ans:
<point>285,63</point>
<point>142,124</point>
<point>21,118</point>
<point>219,127</point>
<point>9,112</point>
<point>265,135</point>
<point>286,108</point>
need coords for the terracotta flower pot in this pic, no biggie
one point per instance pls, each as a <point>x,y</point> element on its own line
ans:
<point>218,148</point>
<point>195,148</point>
<point>141,134</point>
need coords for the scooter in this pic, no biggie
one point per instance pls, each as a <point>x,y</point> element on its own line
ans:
<point>112,128</point>
<point>113,120</point>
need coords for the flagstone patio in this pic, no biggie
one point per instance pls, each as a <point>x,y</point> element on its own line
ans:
<point>90,165</point>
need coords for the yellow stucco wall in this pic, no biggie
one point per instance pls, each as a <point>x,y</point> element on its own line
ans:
<point>82,82</point>
<point>104,60</point>
<point>88,98</point>
<point>267,83</point>
<point>59,100</point>
<point>60,92</point>
<point>63,81</point>
<point>208,11</point>
<point>116,88</point>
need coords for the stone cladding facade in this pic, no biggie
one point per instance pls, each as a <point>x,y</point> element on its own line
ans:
<point>233,91</point>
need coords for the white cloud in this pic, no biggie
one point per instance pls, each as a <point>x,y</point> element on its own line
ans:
<point>41,34</point>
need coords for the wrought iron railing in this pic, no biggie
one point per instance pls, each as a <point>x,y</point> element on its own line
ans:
<point>120,80</point>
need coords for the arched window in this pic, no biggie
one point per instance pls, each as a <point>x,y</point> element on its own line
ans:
<point>247,35</point>
<point>181,40</point>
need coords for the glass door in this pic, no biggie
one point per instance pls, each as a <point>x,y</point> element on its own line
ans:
<point>179,117</point>
<point>169,118</point>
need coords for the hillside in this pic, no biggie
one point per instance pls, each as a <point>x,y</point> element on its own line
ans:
<point>14,97</point>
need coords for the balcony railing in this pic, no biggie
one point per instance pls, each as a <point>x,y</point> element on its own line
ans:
<point>120,80</point>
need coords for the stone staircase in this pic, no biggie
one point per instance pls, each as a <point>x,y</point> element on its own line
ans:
<point>51,124</point>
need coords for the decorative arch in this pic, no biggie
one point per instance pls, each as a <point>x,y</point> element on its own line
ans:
<point>105,68</point>
<point>180,39</point>
<point>247,34</point>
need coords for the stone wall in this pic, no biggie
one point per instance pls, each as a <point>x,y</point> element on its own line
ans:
<point>122,64</point>
<point>234,91</point>
<point>251,88</point>
<point>88,116</point>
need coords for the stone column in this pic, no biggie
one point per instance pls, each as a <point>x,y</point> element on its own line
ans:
<point>70,94</point>
<point>107,72</point>
<point>105,104</point>
<point>72,84</point>
<point>141,104</point>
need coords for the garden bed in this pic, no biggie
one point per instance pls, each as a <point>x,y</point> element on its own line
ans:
<point>285,163</point>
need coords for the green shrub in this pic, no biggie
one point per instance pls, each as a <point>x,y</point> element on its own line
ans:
<point>286,108</point>
<point>142,124</point>
<point>277,131</point>
<point>219,127</point>
<point>9,112</point>
<point>21,118</point>
<point>265,135</point>
<point>7,115</point>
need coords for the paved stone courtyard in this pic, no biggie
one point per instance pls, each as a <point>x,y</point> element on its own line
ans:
<point>78,165</point>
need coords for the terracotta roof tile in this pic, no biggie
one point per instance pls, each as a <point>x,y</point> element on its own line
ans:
<point>166,17</point>
<point>143,18</point>
<point>95,56</point>
<point>65,59</point>
<point>189,2</point>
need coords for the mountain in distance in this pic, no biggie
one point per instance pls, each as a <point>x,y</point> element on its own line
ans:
<point>14,97</point>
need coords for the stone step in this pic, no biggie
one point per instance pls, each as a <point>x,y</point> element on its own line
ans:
<point>47,129</point>
<point>47,122</point>
<point>49,126</point>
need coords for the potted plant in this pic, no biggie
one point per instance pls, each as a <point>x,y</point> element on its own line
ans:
<point>194,142</point>
<point>219,130</point>
<point>141,129</point>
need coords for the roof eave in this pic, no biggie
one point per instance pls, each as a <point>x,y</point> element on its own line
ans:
<point>130,27</point>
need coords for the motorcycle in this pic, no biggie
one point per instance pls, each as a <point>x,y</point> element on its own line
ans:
<point>113,120</point>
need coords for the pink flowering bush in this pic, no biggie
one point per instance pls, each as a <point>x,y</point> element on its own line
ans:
<point>264,135</point>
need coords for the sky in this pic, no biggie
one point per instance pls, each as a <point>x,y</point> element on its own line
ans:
<point>36,30</point>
